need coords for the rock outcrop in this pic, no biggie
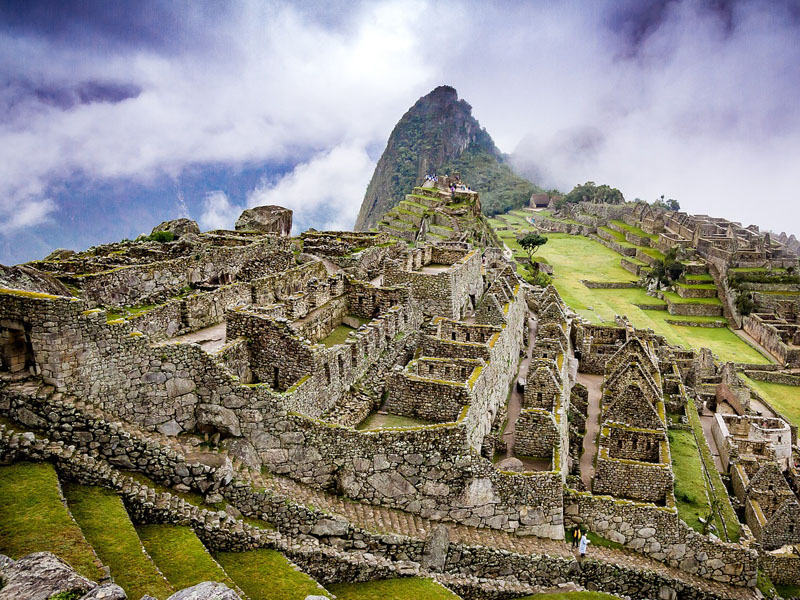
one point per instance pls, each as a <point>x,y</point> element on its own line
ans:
<point>267,219</point>
<point>179,227</point>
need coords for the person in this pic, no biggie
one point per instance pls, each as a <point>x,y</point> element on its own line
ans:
<point>576,536</point>
<point>582,546</point>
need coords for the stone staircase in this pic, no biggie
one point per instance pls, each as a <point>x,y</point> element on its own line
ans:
<point>391,522</point>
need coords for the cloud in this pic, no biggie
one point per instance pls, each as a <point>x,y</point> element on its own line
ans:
<point>686,98</point>
<point>327,190</point>
<point>218,211</point>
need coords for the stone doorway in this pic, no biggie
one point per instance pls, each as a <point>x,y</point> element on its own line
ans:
<point>16,350</point>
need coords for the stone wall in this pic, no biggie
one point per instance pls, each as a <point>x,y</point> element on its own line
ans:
<point>769,337</point>
<point>536,434</point>
<point>659,533</point>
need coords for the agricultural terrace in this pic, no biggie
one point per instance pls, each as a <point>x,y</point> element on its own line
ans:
<point>576,258</point>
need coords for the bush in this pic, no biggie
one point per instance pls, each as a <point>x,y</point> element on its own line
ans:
<point>161,236</point>
<point>744,303</point>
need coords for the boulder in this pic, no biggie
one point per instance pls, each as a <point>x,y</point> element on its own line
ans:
<point>434,554</point>
<point>106,591</point>
<point>179,227</point>
<point>266,219</point>
<point>212,418</point>
<point>330,527</point>
<point>510,464</point>
<point>30,279</point>
<point>39,576</point>
<point>208,590</point>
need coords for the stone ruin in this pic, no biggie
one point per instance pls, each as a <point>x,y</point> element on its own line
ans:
<point>287,356</point>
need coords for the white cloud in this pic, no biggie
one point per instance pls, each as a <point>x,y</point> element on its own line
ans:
<point>218,212</point>
<point>328,188</point>
<point>27,214</point>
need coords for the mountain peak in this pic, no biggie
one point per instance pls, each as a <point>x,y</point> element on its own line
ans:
<point>438,134</point>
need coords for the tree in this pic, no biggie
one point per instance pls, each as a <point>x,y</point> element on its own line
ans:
<point>531,243</point>
<point>591,192</point>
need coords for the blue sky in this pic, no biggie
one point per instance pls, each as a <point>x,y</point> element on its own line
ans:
<point>115,116</point>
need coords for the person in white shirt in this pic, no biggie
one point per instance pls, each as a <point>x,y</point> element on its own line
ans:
<point>583,544</point>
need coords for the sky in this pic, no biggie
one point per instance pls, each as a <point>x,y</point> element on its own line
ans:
<point>115,116</point>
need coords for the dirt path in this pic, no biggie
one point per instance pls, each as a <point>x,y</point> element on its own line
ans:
<point>515,398</point>
<point>707,421</point>
<point>594,384</point>
<point>210,339</point>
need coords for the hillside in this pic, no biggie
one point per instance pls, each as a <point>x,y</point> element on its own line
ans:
<point>439,135</point>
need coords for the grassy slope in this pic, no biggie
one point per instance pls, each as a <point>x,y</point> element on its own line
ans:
<point>105,522</point>
<point>180,555</point>
<point>690,484</point>
<point>575,258</point>
<point>785,398</point>
<point>266,575</point>
<point>378,421</point>
<point>411,588</point>
<point>33,518</point>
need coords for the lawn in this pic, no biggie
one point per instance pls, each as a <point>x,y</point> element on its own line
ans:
<point>691,496</point>
<point>675,299</point>
<point>266,575</point>
<point>575,258</point>
<point>410,588</point>
<point>105,523</point>
<point>784,398</point>
<point>180,555</point>
<point>33,518</point>
<point>635,230</point>
<point>380,421</point>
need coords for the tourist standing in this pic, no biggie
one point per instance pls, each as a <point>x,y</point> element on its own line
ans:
<point>582,546</point>
<point>576,536</point>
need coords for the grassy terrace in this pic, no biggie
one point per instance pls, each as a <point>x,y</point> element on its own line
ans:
<point>266,575</point>
<point>572,596</point>
<point>380,421</point>
<point>181,556</point>
<point>33,518</point>
<point>106,525</point>
<point>693,279</point>
<point>634,230</point>
<point>675,299</point>
<point>691,496</point>
<point>784,398</point>
<point>575,258</point>
<point>393,589</point>
<point>697,286</point>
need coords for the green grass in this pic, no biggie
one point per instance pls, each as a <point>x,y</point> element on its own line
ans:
<point>576,257</point>
<point>337,336</point>
<point>266,575</point>
<point>652,252</point>
<point>635,230</point>
<point>599,540</point>
<point>675,299</point>
<point>784,398</point>
<point>33,518</point>
<point>697,286</point>
<point>410,588</point>
<point>755,270</point>
<point>701,277</point>
<point>378,421</point>
<point>106,525</point>
<point>691,496</point>
<point>716,488</point>
<point>180,555</point>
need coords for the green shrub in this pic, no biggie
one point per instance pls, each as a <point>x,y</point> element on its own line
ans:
<point>162,236</point>
<point>744,303</point>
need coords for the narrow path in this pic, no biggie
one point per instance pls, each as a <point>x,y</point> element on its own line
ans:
<point>749,339</point>
<point>707,421</point>
<point>594,384</point>
<point>210,338</point>
<point>515,397</point>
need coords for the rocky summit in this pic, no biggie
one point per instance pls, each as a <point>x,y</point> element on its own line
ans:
<point>439,136</point>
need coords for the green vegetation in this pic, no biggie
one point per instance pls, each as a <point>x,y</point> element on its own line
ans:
<point>691,496</point>
<point>783,398</point>
<point>575,258</point>
<point>591,192</point>
<point>337,336</point>
<point>432,136</point>
<point>393,589</point>
<point>33,518</point>
<point>113,314</point>
<point>106,525</point>
<point>718,493</point>
<point>675,299</point>
<point>531,243</point>
<point>266,575</point>
<point>599,540</point>
<point>380,421</point>
<point>634,230</point>
<point>158,236</point>
<point>180,555</point>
